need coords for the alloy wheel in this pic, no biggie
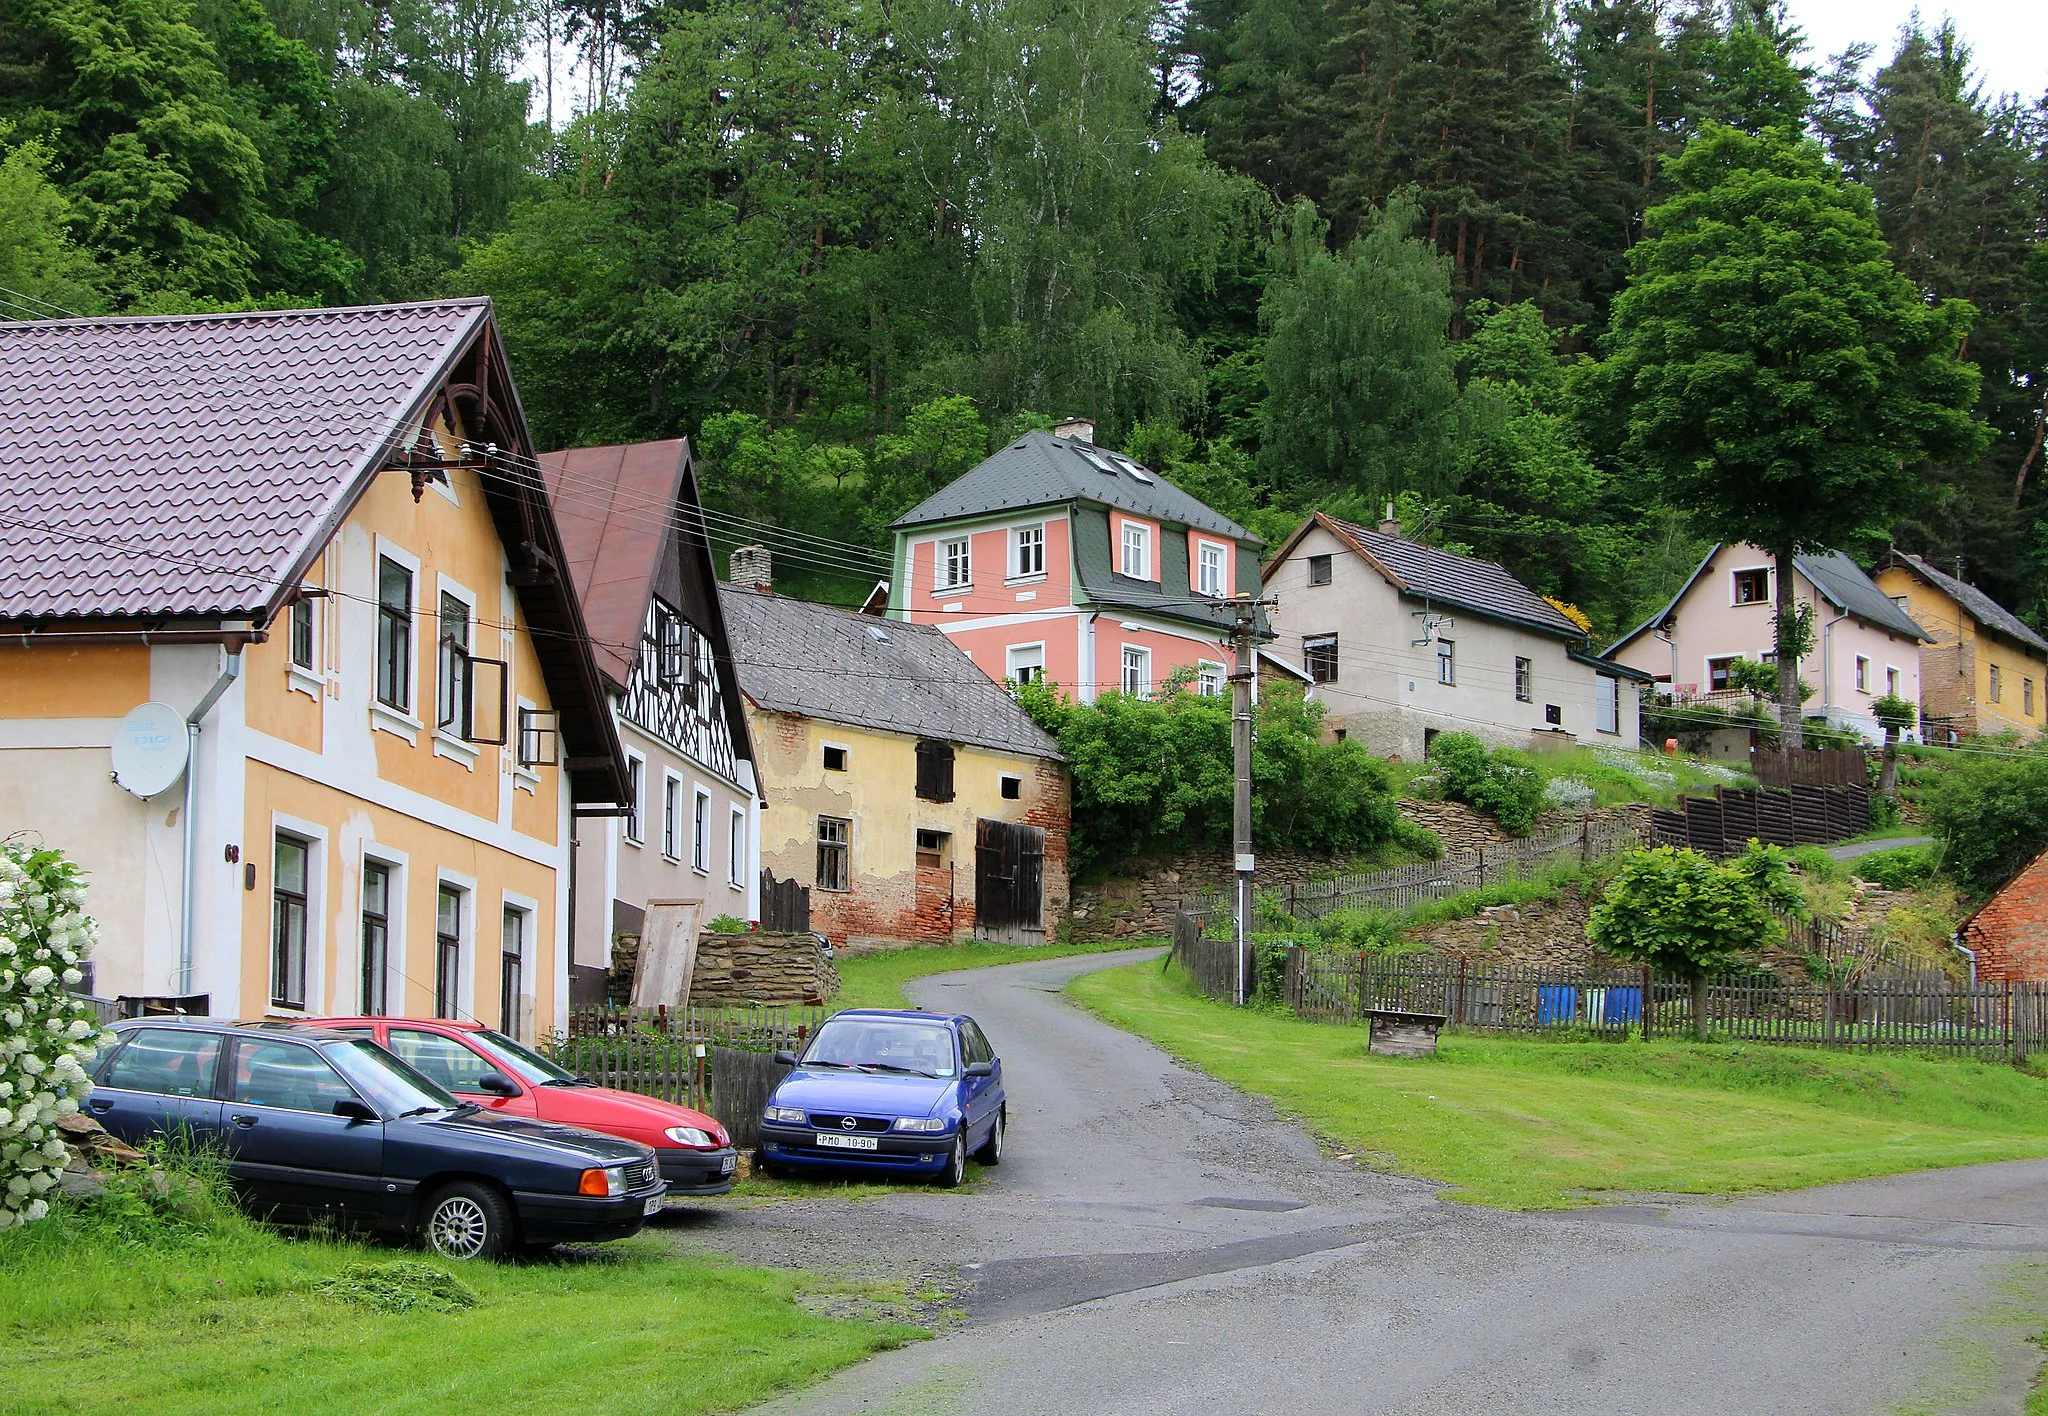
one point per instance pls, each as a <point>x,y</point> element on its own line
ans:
<point>458,1228</point>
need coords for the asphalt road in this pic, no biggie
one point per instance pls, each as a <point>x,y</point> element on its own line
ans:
<point>1156,1242</point>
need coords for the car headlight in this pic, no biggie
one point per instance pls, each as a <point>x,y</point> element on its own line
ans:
<point>605,1183</point>
<point>786,1114</point>
<point>922,1123</point>
<point>691,1136</point>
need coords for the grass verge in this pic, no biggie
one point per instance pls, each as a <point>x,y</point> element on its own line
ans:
<point>130,1305</point>
<point>1529,1124</point>
<point>876,980</point>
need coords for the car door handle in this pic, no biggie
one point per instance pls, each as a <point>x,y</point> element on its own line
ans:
<point>243,1120</point>
<point>100,1105</point>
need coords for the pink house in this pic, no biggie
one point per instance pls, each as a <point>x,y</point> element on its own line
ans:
<point>1865,644</point>
<point>1060,560</point>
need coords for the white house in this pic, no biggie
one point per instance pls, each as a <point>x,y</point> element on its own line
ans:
<point>1405,641</point>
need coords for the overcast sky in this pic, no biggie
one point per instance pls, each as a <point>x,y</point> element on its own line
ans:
<point>2008,39</point>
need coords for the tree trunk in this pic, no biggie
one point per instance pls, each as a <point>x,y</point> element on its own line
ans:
<point>1888,773</point>
<point>1791,731</point>
<point>1699,1006</point>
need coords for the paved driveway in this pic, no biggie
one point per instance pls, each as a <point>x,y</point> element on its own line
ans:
<point>1156,1242</point>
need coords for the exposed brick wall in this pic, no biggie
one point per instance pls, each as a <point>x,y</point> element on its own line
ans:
<point>2010,934</point>
<point>1948,684</point>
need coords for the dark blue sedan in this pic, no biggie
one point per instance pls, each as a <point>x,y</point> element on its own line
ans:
<point>882,1090</point>
<point>328,1126</point>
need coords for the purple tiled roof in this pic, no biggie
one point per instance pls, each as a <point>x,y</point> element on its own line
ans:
<point>177,465</point>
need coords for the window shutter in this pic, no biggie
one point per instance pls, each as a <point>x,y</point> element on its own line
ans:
<point>935,771</point>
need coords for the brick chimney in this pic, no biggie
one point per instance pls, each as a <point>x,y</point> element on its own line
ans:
<point>1389,527</point>
<point>1082,429</point>
<point>753,569</point>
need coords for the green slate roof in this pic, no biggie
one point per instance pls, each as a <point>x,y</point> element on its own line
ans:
<point>1039,469</point>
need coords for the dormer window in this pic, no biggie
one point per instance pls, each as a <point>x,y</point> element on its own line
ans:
<point>1209,574</point>
<point>1137,551</point>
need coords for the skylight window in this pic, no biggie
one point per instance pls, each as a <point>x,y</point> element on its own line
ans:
<point>1101,465</point>
<point>1135,470</point>
<point>878,632</point>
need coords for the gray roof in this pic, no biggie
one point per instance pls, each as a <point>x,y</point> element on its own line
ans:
<point>1988,613</point>
<point>177,465</point>
<point>846,667</point>
<point>1832,573</point>
<point>1848,588</point>
<point>1461,581</point>
<point>1039,469</point>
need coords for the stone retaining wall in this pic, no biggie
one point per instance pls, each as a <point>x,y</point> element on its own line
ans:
<point>751,968</point>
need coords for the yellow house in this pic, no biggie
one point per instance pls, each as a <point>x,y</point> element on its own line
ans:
<point>1985,672</point>
<point>905,790</point>
<point>289,663</point>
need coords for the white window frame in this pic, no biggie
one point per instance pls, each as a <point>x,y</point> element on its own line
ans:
<point>397,875</point>
<point>315,837</point>
<point>1019,571</point>
<point>1211,678</point>
<point>1311,645</point>
<point>945,565</point>
<point>309,679</point>
<point>671,816</point>
<point>1741,570</point>
<point>447,742</point>
<point>1894,680</point>
<point>1203,548</point>
<point>736,848</point>
<point>1447,662</point>
<point>845,751</point>
<point>1135,677</point>
<point>1136,541</point>
<point>465,943</point>
<point>1525,679</point>
<point>700,831</point>
<point>1863,673</point>
<point>529,909</point>
<point>633,825</point>
<point>400,722</point>
<point>1606,704</point>
<point>1017,657</point>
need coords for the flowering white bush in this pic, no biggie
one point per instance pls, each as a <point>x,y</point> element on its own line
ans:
<point>1636,765</point>
<point>44,1032</point>
<point>1567,793</point>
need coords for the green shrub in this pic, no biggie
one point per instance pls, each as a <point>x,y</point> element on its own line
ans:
<point>1153,776</point>
<point>1505,784</point>
<point>1992,810</point>
<point>1907,868</point>
<point>1415,837</point>
<point>1816,864</point>
<point>726,924</point>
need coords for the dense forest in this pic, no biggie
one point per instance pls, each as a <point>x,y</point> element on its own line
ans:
<point>1298,253</point>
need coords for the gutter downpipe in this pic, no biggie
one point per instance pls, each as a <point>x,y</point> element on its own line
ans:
<point>229,674</point>
<point>1955,942</point>
<point>1827,663</point>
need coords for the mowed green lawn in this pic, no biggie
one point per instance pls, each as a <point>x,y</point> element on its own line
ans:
<point>1528,1124</point>
<point>876,980</point>
<point>96,1317</point>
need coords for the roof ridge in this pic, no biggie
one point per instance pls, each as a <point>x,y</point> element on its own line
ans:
<point>130,321</point>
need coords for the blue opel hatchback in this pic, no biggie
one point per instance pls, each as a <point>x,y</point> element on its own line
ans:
<point>886,1090</point>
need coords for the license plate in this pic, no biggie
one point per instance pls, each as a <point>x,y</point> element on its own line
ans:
<point>725,1166</point>
<point>828,1141</point>
<point>653,1206</point>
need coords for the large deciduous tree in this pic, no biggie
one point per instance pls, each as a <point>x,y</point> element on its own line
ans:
<point>1775,370</point>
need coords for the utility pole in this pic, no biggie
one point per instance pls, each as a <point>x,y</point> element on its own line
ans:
<point>1241,679</point>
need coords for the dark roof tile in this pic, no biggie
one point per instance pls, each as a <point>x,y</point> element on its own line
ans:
<point>846,667</point>
<point>175,465</point>
<point>1981,607</point>
<point>1476,585</point>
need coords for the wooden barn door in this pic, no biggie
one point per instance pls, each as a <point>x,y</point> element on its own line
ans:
<point>1009,882</point>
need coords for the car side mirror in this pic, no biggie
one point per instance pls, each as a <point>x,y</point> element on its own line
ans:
<point>980,1069</point>
<point>355,1110</point>
<point>497,1084</point>
<point>786,1058</point>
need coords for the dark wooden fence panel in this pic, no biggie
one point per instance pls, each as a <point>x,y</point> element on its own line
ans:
<point>1780,816</point>
<point>1811,767</point>
<point>785,905</point>
<point>740,1086</point>
<point>1871,1007</point>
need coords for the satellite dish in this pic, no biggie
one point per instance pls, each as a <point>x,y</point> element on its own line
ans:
<point>149,749</point>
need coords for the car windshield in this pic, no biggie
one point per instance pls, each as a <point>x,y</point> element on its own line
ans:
<point>393,1087</point>
<point>533,1069</point>
<point>883,1045</point>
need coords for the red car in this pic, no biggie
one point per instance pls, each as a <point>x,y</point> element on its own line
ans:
<point>492,1070</point>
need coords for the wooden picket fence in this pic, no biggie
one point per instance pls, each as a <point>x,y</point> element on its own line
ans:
<point>718,1059</point>
<point>1884,1009</point>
